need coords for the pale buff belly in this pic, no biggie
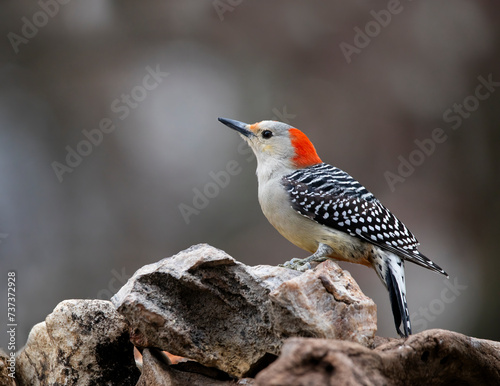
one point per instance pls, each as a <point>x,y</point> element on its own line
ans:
<point>307,234</point>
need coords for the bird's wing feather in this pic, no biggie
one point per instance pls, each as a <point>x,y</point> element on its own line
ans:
<point>331,197</point>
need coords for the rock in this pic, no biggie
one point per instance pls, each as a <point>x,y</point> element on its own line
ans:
<point>434,357</point>
<point>6,369</point>
<point>82,342</point>
<point>204,305</point>
<point>157,370</point>
<point>326,302</point>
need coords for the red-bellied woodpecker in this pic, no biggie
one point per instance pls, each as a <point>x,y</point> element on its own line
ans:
<point>325,211</point>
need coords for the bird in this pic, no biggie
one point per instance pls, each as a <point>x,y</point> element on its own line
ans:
<point>323,210</point>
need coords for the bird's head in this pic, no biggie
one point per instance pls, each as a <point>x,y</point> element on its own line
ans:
<point>276,143</point>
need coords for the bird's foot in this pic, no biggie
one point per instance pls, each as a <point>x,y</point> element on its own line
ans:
<point>304,264</point>
<point>297,264</point>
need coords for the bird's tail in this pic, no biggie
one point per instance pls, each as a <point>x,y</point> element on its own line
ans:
<point>390,269</point>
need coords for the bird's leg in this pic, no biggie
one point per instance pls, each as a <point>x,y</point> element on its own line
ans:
<point>302,265</point>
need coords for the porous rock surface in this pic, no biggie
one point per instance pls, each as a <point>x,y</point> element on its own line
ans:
<point>157,370</point>
<point>234,321</point>
<point>433,357</point>
<point>204,305</point>
<point>82,342</point>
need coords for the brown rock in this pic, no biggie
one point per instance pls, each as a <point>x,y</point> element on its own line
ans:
<point>6,370</point>
<point>82,342</point>
<point>158,371</point>
<point>329,302</point>
<point>434,357</point>
<point>202,304</point>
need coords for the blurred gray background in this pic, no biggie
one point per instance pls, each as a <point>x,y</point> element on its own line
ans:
<point>365,80</point>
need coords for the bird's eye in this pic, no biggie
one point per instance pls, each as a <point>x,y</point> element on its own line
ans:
<point>267,134</point>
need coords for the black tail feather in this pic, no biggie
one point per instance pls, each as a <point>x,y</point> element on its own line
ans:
<point>398,305</point>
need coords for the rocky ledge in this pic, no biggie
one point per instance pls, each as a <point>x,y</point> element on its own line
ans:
<point>202,318</point>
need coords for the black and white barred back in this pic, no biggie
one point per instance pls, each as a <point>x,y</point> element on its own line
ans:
<point>331,197</point>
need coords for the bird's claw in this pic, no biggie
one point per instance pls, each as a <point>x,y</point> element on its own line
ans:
<point>297,264</point>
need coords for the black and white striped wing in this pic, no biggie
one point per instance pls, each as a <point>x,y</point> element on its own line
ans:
<point>333,198</point>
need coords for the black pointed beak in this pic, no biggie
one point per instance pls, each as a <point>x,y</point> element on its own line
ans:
<point>240,127</point>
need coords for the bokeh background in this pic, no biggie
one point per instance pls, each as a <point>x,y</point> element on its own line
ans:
<point>363,101</point>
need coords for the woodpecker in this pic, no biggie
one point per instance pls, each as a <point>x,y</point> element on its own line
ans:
<point>323,210</point>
